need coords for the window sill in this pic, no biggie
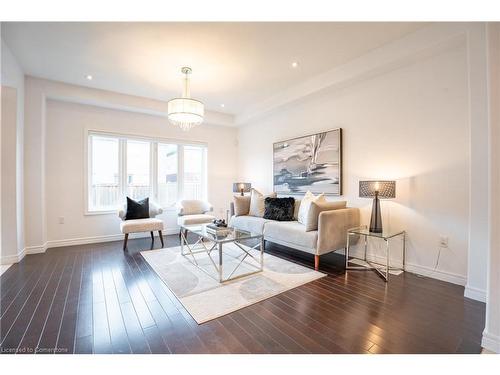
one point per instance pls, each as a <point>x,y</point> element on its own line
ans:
<point>94,213</point>
<point>168,209</point>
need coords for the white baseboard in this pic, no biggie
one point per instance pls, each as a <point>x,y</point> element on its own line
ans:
<point>36,249</point>
<point>97,239</point>
<point>491,342</point>
<point>418,269</point>
<point>11,259</point>
<point>475,293</point>
<point>73,242</point>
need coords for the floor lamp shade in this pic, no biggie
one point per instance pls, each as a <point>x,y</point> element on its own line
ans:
<point>242,187</point>
<point>377,190</point>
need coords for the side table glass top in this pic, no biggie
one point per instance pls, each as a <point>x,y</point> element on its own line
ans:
<point>386,234</point>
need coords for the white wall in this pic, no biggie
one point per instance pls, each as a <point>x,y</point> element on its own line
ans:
<point>12,196</point>
<point>65,138</point>
<point>491,335</point>
<point>409,124</point>
<point>57,118</point>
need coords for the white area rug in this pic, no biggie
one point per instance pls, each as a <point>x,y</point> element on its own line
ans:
<point>206,299</point>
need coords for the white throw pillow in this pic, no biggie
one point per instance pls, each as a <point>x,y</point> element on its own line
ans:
<point>305,205</point>
<point>257,204</point>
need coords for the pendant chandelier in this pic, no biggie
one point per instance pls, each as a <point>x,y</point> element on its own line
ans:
<point>185,112</point>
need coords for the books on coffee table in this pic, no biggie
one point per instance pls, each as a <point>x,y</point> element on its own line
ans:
<point>218,231</point>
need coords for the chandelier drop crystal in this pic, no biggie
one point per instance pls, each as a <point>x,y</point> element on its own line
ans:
<point>185,112</point>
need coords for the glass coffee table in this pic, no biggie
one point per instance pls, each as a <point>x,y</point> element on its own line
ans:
<point>234,258</point>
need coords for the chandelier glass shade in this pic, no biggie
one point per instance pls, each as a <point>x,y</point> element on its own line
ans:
<point>185,112</point>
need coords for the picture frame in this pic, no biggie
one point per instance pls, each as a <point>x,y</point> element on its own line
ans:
<point>310,162</point>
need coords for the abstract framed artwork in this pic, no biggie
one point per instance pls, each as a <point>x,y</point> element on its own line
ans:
<point>311,162</point>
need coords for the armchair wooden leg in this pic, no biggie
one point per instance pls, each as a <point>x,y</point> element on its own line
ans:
<point>161,238</point>
<point>152,238</point>
<point>316,262</point>
<point>125,242</point>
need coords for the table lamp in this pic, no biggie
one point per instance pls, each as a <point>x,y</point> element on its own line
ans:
<point>377,190</point>
<point>242,187</point>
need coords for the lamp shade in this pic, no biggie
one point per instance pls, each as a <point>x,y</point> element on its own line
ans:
<point>185,112</point>
<point>385,189</point>
<point>242,187</point>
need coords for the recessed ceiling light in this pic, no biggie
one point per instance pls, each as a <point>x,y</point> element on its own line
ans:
<point>89,77</point>
<point>222,105</point>
<point>295,64</point>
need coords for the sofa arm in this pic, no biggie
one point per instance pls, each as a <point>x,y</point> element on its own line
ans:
<point>332,228</point>
<point>207,207</point>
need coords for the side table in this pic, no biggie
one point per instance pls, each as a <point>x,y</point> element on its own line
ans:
<point>386,235</point>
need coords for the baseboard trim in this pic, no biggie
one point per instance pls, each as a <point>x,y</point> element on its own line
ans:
<point>75,241</point>
<point>475,293</point>
<point>36,249</point>
<point>97,239</point>
<point>11,259</point>
<point>491,342</point>
<point>419,269</point>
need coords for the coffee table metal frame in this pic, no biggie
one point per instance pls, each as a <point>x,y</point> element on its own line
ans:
<point>190,250</point>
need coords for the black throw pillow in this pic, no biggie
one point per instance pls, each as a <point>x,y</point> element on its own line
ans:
<point>137,209</point>
<point>280,209</point>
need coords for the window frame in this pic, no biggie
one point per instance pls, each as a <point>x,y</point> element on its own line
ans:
<point>153,166</point>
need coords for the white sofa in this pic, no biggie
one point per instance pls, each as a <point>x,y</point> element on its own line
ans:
<point>330,235</point>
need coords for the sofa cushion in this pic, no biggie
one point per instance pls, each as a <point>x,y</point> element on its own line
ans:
<point>241,205</point>
<point>141,225</point>
<point>193,207</point>
<point>257,203</point>
<point>296,209</point>
<point>291,232</point>
<point>280,209</point>
<point>305,204</point>
<point>249,223</point>
<point>195,219</point>
<point>316,208</point>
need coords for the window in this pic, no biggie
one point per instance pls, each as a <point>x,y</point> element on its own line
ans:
<point>104,193</point>
<point>121,166</point>
<point>194,167</point>
<point>167,174</point>
<point>138,158</point>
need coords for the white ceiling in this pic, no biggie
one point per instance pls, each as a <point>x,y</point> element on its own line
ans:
<point>235,64</point>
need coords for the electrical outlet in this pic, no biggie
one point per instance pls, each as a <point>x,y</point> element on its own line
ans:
<point>443,241</point>
<point>61,219</point>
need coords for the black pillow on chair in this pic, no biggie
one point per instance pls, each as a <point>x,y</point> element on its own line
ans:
<point>137,209</point>
<point>280,209</point>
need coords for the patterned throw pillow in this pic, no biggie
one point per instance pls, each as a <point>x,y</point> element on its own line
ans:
<point>280,209</point>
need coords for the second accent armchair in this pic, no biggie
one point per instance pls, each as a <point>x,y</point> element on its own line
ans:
<point>194,212</point>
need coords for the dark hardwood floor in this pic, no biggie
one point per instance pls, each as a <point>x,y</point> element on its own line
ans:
<point>98,299</point>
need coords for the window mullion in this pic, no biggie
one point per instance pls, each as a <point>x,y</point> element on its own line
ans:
<point>180,172</point>
<point>153,170</point>
<point>123,169</point>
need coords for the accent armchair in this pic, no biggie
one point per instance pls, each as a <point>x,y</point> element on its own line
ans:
<point>194,212</point>
<point>142,225</point>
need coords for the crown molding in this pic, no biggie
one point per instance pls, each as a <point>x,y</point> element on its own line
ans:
<point>69,93</point>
